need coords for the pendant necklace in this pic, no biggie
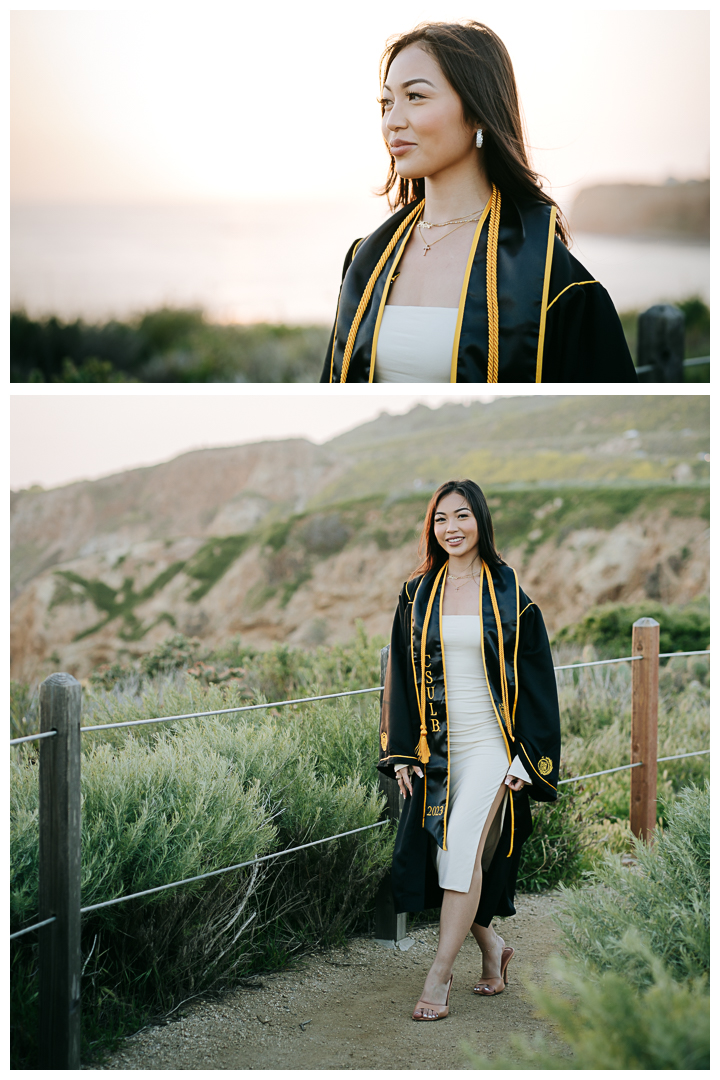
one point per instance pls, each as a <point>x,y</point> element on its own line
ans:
<point>460,577</point>
<point>430,225</point>
<point>466,582</point>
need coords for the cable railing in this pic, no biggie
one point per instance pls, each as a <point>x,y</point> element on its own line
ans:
<point>314,843</point>
<point>60,808</point>
<point>316,697</point>
<point>631,765</point>
<point>644,369</point>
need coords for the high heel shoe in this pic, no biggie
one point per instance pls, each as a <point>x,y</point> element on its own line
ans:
<point>483,989</point>
<point>441,1011</point>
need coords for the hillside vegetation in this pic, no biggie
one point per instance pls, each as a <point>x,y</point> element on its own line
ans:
<point>175,345</point>
<point>307,577</point>
<point>594,501</point>
<point>633,992</point>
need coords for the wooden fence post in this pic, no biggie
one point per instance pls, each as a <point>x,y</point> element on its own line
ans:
<point>59,885</point>
<point>388,925</point>
<point>643,782</point>
<point>661,343</point>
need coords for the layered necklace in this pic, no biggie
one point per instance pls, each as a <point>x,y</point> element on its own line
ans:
<point>458,222</point>
<point>464,578</point>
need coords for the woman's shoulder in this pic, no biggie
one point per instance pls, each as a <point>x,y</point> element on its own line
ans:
<point>506,573</point>
<point>567,271</point>
<point>410,587</point>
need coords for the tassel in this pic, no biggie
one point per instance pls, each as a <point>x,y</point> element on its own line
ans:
<point>422,750</point>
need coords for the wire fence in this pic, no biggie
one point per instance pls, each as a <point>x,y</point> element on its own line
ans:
<point>326,839</point>
<point>314,843</point>
<point>316,697</point>
<point>201,877</point>
<point>60,821</point>
<point>632,765</point>
<point>644,369</point>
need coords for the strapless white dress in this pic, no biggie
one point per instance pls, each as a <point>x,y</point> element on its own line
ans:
<point>415,344</point>
<point>478,758</point>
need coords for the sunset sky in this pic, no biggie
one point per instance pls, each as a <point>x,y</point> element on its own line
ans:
<point>278,101</point>
<point>92,435</point>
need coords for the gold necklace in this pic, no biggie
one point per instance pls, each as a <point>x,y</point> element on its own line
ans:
<point>455,221</point>
<point>428,246</point>
<point>457,577</point>
<point>466,582</point>
<point>465,578</point>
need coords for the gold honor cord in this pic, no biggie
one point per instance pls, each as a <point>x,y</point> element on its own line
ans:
<point>447,714</point>
<point>365,299</point>
<point>492,300</point>
<point>501,655</point>
<point>518,613</point>
<point>544,307</point>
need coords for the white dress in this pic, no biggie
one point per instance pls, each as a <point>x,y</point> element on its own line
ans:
<point>415,344</point>
<point>478,759</point>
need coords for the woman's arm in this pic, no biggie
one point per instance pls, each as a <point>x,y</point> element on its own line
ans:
<point>399,723</point>
<point>584,338</point>
<point>537,715</point>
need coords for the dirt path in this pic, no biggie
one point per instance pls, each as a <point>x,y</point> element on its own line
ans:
<point>350,1009</point>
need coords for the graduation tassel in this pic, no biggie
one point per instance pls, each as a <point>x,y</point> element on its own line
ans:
<point>422,749</point>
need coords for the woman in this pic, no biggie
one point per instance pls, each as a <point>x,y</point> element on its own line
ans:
<point>470,280</point>
<point>470,727</point>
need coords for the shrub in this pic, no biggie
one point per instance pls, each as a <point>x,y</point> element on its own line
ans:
<point>595,718</point>
<point>166,345</point>
<point>636,977</point>
<point>24,710</point>
<point>608,1024</point>
<point>195,797</point>
<point>666,896</point>
<point>609,628</point>
<point>555,849</point>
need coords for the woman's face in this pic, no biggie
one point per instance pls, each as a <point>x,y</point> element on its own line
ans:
<point>456,529</point>
<point>423,121</point>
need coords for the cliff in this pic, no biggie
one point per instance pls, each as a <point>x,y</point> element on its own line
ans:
<point>669,212</point>
<point>593,499</point>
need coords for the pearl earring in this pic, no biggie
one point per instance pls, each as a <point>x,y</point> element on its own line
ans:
<point>479,138</point>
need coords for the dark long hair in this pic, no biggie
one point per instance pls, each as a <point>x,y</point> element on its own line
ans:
<point>431,554</point>
<point>478,67</point>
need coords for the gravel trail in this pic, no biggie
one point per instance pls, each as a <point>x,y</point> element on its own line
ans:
<point>350,1008</point>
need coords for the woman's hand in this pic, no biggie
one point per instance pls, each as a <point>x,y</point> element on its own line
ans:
<point>514,782</point>
<point>404,779</point>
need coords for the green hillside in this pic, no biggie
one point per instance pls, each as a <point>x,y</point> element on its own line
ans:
<point>529,439</point>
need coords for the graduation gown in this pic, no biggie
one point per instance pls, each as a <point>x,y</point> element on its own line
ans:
<point>529,311</point>
<point>414,729</point>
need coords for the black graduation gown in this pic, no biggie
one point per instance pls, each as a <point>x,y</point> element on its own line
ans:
<point>413,729</point>
<point>556,323</point>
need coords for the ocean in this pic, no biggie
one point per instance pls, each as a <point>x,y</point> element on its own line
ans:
<point>253,262</point>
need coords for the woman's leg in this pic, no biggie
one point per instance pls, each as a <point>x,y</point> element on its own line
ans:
<point>456,918</point>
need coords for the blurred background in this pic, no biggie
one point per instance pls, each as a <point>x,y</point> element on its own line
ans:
<point>188,187</point>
